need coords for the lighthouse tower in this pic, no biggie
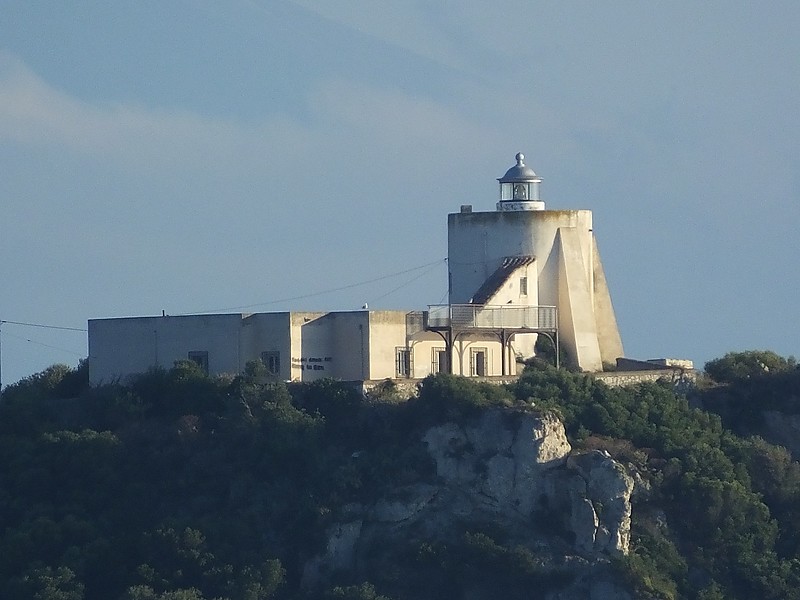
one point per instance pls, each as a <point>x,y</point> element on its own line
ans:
<point>523,254</point>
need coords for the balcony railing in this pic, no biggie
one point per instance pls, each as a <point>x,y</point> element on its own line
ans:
<point>487,316</point>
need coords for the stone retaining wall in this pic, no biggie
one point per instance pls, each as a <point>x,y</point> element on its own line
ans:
<point>681,379</point>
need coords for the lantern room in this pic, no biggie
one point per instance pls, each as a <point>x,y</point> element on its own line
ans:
<point>519,188</point>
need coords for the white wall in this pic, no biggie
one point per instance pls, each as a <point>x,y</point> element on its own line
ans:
<point>310,347</point>
<point>462,354</point>
<point>478,242</point>
<point>387,333</point>
<point>121,347</point>
<point>262,332</point>
<point>351,333</point>
<point>352,346</point>
<point>510,293</point>
<point>577,326</point>
<point>566,264</point>
<point>607,329</point>
<point>424,344</point>
<point>334,344</point>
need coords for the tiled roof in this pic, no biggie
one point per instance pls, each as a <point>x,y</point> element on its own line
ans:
<point>496,280</point>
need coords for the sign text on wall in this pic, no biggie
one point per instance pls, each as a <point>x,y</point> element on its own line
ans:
<point>311,363</point>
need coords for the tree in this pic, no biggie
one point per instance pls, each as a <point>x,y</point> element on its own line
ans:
<point>51,584</point>
<point>143,592</point>
<point>365,591</point>
<point>736,367</point>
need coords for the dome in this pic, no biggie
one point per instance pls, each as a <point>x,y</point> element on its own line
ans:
<point>519,172</point>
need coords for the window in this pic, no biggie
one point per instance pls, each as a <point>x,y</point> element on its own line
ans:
<point>523,286</point>
<point>402,362</point>
<point>272,360</point>
<point>201,358</point>
<point>439,361</point>
<point>477,367</point>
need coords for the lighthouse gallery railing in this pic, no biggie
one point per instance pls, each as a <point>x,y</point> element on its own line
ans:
<point>488,316</point>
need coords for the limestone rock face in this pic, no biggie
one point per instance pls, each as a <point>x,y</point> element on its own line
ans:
<point>514,469</point>
<point>339,554</point>
<point>603,525</point>
<point>499,462</point>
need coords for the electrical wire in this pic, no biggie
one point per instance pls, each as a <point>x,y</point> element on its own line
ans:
<point>41,325</point>
<point>319,293</point>
<point>79,354</point>
<point>427,266</point>
<point>410,281</point>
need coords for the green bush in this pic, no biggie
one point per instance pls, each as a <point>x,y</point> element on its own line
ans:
<point>446,397</point>
<point>736,367</point>
<point>184,486</point>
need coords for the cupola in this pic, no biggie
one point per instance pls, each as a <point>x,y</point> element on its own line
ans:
<point>519,188</point>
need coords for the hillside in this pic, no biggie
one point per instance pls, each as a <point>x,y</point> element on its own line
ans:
<point>185,487</point>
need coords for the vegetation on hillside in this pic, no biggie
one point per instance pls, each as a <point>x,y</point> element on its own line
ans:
<point>185,487</point>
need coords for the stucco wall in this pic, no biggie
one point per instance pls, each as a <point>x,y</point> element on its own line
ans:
<point>576,318</point>
<point>262,332</point>
<point>424,344</point>
<point>478,242</point>
<point>607,330</point>
<point>387,332</point>
<point>510,293</point>
<point>121,347</point>
<point>334,344</point>
<point>568,274</point>
<point>312,347</point>
<point>350,346</point>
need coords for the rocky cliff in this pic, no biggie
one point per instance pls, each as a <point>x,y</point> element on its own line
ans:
<point>514,471</point>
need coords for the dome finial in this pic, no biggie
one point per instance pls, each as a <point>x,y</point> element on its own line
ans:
<point>520,159</point>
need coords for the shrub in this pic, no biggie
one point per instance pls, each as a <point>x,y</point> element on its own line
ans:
<point>446,397</point>
<point>735,367</point>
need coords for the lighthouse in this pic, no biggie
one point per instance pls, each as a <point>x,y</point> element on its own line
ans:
<point>526,255</point>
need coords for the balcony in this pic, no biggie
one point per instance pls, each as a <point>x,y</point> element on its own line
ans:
<point>487,316</point>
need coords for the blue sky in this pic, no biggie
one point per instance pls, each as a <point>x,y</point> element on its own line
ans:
<point>194,155</point>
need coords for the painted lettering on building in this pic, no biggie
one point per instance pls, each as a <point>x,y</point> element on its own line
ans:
<point>310,363</point>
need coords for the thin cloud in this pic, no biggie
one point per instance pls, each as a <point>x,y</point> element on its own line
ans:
<point>397,117</point>
<point>347,119</point>
<point>34,113</point>
<point>397,24</point>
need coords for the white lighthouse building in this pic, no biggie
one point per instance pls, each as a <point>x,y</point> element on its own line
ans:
<point>523,254</point>
<point>515,273</point>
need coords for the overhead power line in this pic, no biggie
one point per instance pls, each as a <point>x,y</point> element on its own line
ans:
<point>24,339</point>
<point>321,292</point>
<point>41,325</point>
<point>409,282</point>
